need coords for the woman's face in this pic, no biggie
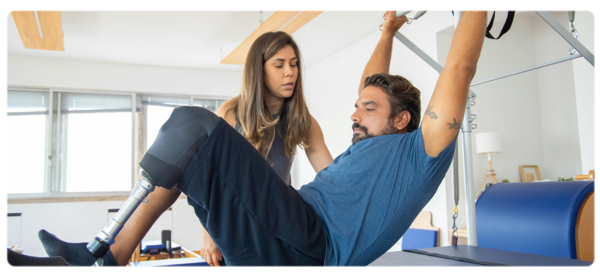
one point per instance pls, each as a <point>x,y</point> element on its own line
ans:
<point>281,73</point>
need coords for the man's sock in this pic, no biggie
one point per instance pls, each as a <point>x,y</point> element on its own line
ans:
<point>107,260</point>
<point>73,253</point>
<point>15,260</point>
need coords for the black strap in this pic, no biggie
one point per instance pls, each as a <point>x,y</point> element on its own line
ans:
<point>453,258</point>
<point>507,24</point>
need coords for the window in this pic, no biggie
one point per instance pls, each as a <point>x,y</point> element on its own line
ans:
<point>67,141</point>
<point>26,130</point>
<point>96,133</point>
<point>158,110</point>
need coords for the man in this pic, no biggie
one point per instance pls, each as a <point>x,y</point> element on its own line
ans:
<point>355,209</point>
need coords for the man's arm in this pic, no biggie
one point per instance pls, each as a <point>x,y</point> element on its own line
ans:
<point>380,59</point>
<point>444,113</point>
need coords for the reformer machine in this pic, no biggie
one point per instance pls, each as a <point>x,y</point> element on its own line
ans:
<point>577,50</point>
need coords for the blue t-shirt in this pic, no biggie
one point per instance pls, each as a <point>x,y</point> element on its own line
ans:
<point>370,194</point>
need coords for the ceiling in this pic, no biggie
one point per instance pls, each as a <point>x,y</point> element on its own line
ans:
<point>188,39</point>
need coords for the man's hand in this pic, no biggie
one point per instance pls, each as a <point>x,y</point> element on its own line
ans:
<point>209,251</point>
<point>380,59</point>
<point>392,23</point>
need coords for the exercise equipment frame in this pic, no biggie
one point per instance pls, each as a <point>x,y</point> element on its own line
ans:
<point>467,125</point>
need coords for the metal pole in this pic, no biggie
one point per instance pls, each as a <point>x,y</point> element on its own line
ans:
<point>468,171</point>
<point>529,69</point>
<point>567,36</point>
<point>466,129</point>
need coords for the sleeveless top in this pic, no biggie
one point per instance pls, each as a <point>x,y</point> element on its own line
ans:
<point>278,160</point>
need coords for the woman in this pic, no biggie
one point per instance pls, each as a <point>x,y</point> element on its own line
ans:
<point>271,113</point>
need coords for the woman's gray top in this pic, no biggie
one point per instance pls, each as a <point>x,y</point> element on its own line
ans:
<point>279,161</point>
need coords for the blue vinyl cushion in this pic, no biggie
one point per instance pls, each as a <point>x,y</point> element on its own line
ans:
<point>535,218</point>
<point>419,239</point>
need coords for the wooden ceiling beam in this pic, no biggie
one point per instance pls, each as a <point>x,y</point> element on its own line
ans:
<point>299,21</point>
<point>288,21</point>
<point>51,30</point>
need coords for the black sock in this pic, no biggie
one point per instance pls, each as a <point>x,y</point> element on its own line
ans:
<point>73,253</point>
<point>15,260</point>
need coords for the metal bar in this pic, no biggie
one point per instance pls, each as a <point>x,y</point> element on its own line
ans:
<point>529,69</point>
<point>455,175</point>
<point>567,36</point>
<point>134,139</point>
<point>419,52</point>
<point>466,129</point>
<point>48,146</point>
<point>468,172</point>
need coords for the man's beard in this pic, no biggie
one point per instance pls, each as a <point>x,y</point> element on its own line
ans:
<point>390,129</point>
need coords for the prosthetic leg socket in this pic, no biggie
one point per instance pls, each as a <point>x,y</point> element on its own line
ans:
<point>163,165</point>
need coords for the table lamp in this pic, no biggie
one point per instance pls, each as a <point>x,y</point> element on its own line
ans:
<point>488,143</point>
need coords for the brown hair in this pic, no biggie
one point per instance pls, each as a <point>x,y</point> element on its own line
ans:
<point>250,107</point>
<point>402,96</point>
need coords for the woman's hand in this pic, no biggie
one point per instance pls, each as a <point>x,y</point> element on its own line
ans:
<point>209,251</point>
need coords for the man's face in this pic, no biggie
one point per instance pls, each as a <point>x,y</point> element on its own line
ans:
<point>372,115</point>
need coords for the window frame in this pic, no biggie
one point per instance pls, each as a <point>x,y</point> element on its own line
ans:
<point>54,189</point>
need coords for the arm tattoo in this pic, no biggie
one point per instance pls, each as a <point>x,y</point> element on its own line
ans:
<point>430,114</point>
<point>455,125</point>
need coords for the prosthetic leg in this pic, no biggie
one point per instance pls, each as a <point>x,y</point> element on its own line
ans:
<point>163,166</point>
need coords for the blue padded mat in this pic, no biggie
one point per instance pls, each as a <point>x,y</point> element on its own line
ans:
<point>173,262</point>
<point>477,254</point>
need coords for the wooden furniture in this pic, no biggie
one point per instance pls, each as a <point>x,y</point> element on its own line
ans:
<point>424,221</point>
<point>489,174</point>
<point>584,230</point>
<point>589,176</point>
<point>527,175</point>
<point>551,218</point>
<point>462,236</point>
<point>138,256</point>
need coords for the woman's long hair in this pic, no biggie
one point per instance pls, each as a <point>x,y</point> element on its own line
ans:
<point>250,107</point>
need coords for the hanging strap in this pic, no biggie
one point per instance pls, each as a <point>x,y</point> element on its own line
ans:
<point>507,24</point>
<point>454,258</point>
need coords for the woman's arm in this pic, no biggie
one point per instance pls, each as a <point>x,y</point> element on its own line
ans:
<point>208,249</point>
<point>317,152</point>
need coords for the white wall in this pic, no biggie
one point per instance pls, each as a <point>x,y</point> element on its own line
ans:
<point>583,73</point>
<point>558,109</point>
<point>92,75</point>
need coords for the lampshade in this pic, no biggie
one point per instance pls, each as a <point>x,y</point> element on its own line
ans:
<point>488,142</point>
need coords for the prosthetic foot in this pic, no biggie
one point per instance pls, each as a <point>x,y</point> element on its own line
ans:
<point>75,254</point>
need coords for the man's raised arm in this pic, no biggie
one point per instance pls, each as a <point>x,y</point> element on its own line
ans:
<point>380,59</point>
<point>444,114</point>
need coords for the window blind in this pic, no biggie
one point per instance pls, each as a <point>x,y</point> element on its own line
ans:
<point>27,103</point>
<point>94,103</point>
